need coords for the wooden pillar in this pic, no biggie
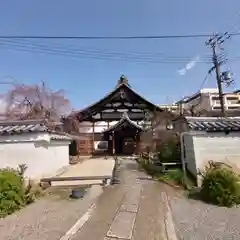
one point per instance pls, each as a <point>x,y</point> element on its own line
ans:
<point>113,143</point>
<point>93,137</point>
<point>138,142</point>
<point>107,124</point>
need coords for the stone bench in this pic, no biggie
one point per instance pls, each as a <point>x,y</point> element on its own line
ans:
<point>49,180</point>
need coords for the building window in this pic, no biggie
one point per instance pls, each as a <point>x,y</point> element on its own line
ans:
<point>233,107</point>
<point>232,98</point>
<point>214,98</point>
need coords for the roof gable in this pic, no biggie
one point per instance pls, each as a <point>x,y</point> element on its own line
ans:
<point>122,91</point>
<point>124,121</point>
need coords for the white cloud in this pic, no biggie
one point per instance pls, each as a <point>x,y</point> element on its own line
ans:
<point>189,65</point>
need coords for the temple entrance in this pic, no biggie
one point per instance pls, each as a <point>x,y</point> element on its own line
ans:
<point>123,137</point>
<point>125,141</point>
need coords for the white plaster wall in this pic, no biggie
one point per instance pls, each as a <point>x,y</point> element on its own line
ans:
<point>85,127</point>
<point>216,147</point>
<point>41,157</point>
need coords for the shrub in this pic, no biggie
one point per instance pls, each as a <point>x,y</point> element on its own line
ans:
<point>169,151</point>
<point>220,186</point>
<point>150,168</point>
<point>12,193</point>
<point>32,192</point>
<point>176,176</point>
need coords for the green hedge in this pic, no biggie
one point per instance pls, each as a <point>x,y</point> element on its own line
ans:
<point>12,192</point>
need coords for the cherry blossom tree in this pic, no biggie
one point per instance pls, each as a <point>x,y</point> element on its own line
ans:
<point>36,101</point>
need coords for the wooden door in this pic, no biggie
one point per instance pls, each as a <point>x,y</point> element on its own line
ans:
<point>85,147</point>
<point>128,146</point>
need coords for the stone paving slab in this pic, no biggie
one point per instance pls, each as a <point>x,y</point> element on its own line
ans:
<point>149,223</point>
<point>107,238</point>
<point>129,207</point>
<point>122,225</point>
<point>103,215</point>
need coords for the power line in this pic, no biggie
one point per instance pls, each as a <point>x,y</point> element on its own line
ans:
<point>75,52</point>
<point>53,47</point>
<point>110,37</point>
<point>78,53</point>
<point>232,28</point>
<point>203,82</point>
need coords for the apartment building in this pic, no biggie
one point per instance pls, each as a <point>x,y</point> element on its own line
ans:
<point>170,107</point>
<point>208,99</point>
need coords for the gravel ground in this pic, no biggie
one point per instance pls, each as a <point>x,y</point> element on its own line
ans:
<point>47,219</point>
<point>195,220</point>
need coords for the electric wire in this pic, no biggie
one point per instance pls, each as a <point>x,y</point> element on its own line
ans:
<point>109,37</point>
<point>46,49</point>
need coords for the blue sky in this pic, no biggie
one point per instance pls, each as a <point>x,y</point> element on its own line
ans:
<point>88,79</point>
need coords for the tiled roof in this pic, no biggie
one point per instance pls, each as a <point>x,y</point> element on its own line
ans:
<point>122,84</point>
<point>28,126</point>
<point>25,126</point>
<point>57,136</point>
<point>122,121</point>
<point>213,124</point>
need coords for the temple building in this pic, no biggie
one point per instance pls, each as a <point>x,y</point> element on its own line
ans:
<point>113,125</point>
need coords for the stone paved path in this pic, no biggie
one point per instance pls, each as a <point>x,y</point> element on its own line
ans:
<point>132,210</point>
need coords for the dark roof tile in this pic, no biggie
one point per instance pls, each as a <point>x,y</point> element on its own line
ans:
<point>24,126</point>
<point>213,124</point>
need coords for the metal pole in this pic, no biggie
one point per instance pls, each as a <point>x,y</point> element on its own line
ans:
<point>183,158</point>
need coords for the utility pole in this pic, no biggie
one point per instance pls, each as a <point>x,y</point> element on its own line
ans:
<point>214,42</point>
<point>219,81</point>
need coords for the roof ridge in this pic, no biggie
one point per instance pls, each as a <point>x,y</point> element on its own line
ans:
<point>22,122</point>
<point>125,115</point>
